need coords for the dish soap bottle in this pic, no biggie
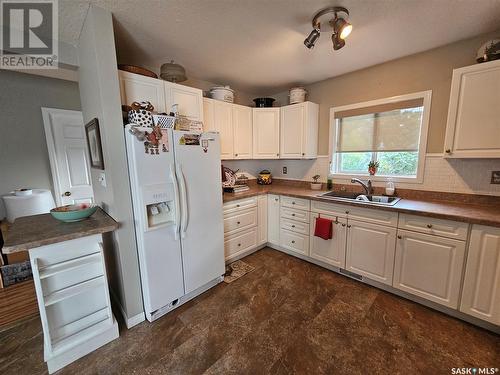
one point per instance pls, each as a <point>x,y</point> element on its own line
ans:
<point>389,188</point>
<point>329,182</point>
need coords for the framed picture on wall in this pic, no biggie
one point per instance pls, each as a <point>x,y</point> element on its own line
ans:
<point>94,144</point>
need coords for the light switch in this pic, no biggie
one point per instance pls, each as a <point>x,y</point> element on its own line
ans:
<point>102,179</point>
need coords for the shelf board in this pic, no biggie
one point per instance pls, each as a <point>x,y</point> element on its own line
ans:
<point>74,290</point>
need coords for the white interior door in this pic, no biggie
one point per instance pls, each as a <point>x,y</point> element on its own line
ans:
<point>68,155</point>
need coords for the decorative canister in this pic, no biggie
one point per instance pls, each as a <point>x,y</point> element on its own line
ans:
<point>264,178</point>
<point>297,95</point>
<point>141,114</point>
<point>224,93</point>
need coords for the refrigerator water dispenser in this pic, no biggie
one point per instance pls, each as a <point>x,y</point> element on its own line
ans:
<point>159,205</point>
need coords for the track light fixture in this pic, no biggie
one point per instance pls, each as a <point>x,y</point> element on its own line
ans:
<point>340,26</point>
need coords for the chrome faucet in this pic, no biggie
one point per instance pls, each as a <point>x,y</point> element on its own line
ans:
<point>366,185</point>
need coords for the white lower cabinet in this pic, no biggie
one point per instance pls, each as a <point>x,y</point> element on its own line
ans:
<point>481,290</point>
<point>273,219</point>
<point>296,242</point>
<point>370,250</point>
<point>329,251</point>
<point>262,219</point>
<point>429,266</point>
<point>239,243</point>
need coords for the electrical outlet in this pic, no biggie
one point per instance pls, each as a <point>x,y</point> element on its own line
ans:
<point>285,170</point>
<point>495,177</point>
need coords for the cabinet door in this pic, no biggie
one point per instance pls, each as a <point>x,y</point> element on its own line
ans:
<point>473,128</point>
<point>262,219</point>
<point>242,125</point>
<point>188,99</point>
<point>370,250</point>
<point>223,123</point>
<point>208,115</point>
<point>292,123</point>
<point>310,136</point>
<point>429,267</point>
<point>137,88</point>
<point>481,290</point>
<point>266,131</point>
<point>329,251</point>
<point>273,219</point>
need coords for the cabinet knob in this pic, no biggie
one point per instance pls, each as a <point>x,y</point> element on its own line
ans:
<point>67,194</point>
<point>293,214</point>
<point>448,151</point>
<point>303,153</point>
<point>347,212</point>
<point>429,226</point>
<point>238,223</point>
<point>348,226</point>
<point>235,154</point>
<point>239,244</point>
<point>237,205</point>
<point>343,225</point>
<point>277,154</point>
<point>293,241</point>
<point>399,237</point>
<point>275,199</point>
<point>293,202</point>
<point>293,226</point>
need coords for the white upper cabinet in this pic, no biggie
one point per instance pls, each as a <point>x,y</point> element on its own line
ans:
<point>161,94</point>
<point>266,133</point>
<point>473,128</point>
<point>137,88</point>
<point>208,115</point>
<point>481,290</point>
<point>223,123</point>
<point>188,99</point>
<point>242,128</point>
<point>299,131</point>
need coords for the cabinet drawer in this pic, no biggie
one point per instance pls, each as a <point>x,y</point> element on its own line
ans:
<point>240,242</point>
<point>438,227</point>
<point>375,216</point>
<point>239,205</point>
<point>240,220</point>
<point>294,241</point>
<point>298,215</point>
<point>329,208</point>
<point>295,226</point>
<point>297,203</point>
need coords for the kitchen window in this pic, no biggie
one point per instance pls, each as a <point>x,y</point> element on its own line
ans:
<point>391,131</point>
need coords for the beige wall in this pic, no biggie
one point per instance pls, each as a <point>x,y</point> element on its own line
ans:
<point>429,70</point>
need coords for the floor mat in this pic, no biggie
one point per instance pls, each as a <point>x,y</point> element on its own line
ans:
<point>235,270</point>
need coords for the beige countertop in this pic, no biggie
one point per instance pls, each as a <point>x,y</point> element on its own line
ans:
<point>459,211</point>
<point>39,230</point>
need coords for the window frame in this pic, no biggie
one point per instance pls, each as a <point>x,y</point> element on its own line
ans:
<point>422,147</point>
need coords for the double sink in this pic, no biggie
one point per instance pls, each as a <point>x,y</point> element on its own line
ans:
<point>379,200</point>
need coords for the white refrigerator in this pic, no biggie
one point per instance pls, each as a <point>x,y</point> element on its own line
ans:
<point>177,202</point>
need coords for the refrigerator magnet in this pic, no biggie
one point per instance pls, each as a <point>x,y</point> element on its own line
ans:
<point>204,144</point>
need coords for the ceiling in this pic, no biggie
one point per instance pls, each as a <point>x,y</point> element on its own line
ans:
<point>257,45</point>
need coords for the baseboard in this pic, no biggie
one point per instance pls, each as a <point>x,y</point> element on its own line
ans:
<point>129,322</point>
<point>422,301</point>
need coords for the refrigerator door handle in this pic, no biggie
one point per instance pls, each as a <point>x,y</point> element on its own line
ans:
<point>185,208</point>
<point>176,201</point>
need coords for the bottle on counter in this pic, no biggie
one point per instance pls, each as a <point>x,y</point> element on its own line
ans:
<point>389,187</point>
<point>329,182</point>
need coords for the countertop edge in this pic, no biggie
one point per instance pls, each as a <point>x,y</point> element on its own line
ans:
<point>396,208</point>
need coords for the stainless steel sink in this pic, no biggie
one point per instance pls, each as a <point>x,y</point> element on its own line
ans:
<point>379,200</point>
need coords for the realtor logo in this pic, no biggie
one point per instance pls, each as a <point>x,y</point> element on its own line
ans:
<point>29,34</point>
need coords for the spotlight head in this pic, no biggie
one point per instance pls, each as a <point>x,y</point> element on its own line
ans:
<point>338,42</point>
<point>341,27</point>
<point>312,38</point>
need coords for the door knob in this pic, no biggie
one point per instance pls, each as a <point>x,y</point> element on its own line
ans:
<point>67,194</point>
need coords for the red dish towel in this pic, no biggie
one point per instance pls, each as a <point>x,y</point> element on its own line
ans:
<point>323,228</point>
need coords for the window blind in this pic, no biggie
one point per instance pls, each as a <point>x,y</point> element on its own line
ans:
<point>386,127</point>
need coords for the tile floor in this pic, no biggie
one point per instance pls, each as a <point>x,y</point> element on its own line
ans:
<point>286,317</point>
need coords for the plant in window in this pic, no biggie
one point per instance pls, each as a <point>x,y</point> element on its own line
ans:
<point>316,185</point>
<point>372,167</point>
